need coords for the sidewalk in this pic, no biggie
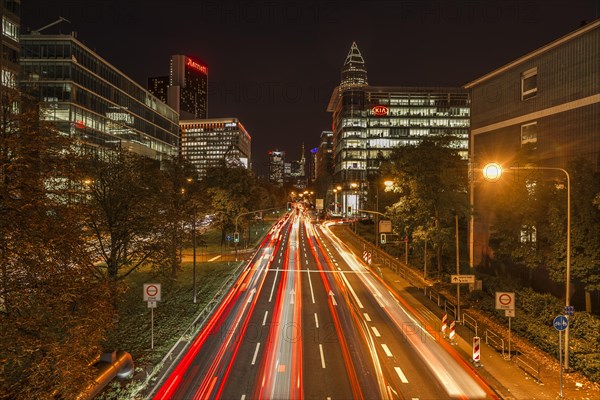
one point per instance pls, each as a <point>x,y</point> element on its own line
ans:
<point>503,375</point>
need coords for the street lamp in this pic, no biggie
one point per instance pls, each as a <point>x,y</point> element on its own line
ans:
<point>492,172</point>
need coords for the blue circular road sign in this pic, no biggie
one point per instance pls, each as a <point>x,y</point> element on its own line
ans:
<point>561,323</point>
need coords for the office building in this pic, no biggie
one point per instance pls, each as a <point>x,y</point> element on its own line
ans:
<point>188,87</point>
<point>159,86</point>
<point>370,121</point>
<point>89,98</point>
<point>543,108</point>
<point>9,56</point>
<point>276,167</point>
<point>215,142</point>
<point>324,156</point>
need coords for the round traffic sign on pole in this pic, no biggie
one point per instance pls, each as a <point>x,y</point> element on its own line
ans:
<point>561,323</point>
<point>151,291</point>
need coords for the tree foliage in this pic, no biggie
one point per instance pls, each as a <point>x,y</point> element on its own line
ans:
<point>53,310</point>
<point>431,181</point>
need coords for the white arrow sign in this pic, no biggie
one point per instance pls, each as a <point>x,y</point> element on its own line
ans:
<point>292,295</point>
<point>462,278</point>
<point>332,298</point>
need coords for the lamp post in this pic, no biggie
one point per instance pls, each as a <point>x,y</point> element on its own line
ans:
<point>493,172</point>
<point>354,185</point>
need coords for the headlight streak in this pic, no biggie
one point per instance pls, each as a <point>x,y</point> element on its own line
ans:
<point>456,378</point>
<point>250,277</point>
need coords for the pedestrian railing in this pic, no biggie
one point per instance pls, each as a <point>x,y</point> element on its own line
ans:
<point>528,364</point>
<point>494,340</point>
<point>450,308</point>
<point>469,321</point>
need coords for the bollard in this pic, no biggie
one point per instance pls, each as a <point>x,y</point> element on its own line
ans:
<point>444,324</point>
<point>476,350</point>
<point>452,333</point>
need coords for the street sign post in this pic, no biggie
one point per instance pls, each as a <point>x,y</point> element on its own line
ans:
<point>506,301</point>
<point>462,278</point>
<point>151,295</point>
<point>560,324</point>
<point>385,226</point>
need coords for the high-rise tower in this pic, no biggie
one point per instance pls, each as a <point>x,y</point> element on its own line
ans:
<point>354,71</point>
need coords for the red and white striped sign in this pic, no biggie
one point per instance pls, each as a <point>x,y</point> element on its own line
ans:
<point>444,323</point>
<point>369,258</point>
<point>476,349</point>
<point>452,333</point>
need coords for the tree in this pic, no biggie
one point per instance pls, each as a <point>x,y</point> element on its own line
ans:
<point>585,230</point>
<point>124,212</point>
<point>53,311</point>
<point>431,180</point>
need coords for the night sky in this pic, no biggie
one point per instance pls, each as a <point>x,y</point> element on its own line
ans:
<point>274,64</point>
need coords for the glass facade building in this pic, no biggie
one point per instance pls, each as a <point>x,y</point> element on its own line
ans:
<point>10,47</point>
<point>370,121</point>
<point>209,143</point>
<point>89,98</point>
<point>276,167</point>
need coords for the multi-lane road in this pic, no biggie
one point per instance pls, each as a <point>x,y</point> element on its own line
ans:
<point>307,319</point>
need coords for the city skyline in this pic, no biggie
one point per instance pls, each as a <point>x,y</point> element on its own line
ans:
<point>274,66</point>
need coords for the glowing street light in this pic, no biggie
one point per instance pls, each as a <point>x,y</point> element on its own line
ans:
<point>492,172</point>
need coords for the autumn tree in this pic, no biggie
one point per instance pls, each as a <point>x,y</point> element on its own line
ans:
<point>53,310</point>
<point>430,179</point>
<point>123,212</point>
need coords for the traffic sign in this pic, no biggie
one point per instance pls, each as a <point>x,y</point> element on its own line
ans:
<point>505,300</point>
<point>385,226</point>
<point>462,278</point>
<point>151,291</point>
<point>151,304</point>
<point>509,313</point>
<point>561,323</point>
<point>569,310</point>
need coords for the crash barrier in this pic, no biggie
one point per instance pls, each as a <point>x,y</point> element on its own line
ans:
<point>494,340</point>
<point>528,364</point>
<point>117,364</point>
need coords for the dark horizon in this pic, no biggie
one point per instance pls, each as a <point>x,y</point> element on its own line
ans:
<point>274,66</point>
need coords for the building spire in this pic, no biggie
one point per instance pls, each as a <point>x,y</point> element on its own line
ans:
<point>354,71</point>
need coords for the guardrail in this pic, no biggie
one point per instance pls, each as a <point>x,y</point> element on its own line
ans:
<point>528,364</point>
<point>496,341</point>
<point>469,321</point>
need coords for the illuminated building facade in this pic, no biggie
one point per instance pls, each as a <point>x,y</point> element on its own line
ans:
<point>9,41</point>
<point>188,87</point>
<point>276,167</point>
<point>208,143</point>
<point>542,109</point>
<point>370,121</point>
<point>87,97</point>
<point>159,86</point>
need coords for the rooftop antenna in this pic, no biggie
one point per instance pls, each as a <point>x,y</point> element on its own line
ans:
<point>58,21</point>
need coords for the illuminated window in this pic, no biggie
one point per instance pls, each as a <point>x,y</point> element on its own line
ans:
<point>9,78</point>
<point>10,29</point>
<point>529,84</point>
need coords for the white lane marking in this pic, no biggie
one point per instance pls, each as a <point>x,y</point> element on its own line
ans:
<point>316,320</point>
<point>306,261</point>
<point>367,317</point>
<point>214,258</point>
<point>387,350</point>
<point>401,375</point>
<point>352,291</point>
<point>312,294</point>
<point>255,353</point>
<point>274,281</point>
<point>265,318</point>
<point>243,397</point>
<point>376,332</point>
<point>322,356</point>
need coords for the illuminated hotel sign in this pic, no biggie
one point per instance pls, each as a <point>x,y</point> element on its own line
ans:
<point>380,111</point>
<point>197,66</point>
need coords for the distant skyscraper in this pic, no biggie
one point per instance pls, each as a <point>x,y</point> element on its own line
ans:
<point>324,156</point>
<point>159,86</point>
<point>276,167</point>
<point>213,142</point>
<point>188,87</point>
<point>370,121</point>
<point>9,53</point>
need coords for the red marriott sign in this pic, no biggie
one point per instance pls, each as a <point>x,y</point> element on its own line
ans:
<point>380,111</point>
<point>197,66</point>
